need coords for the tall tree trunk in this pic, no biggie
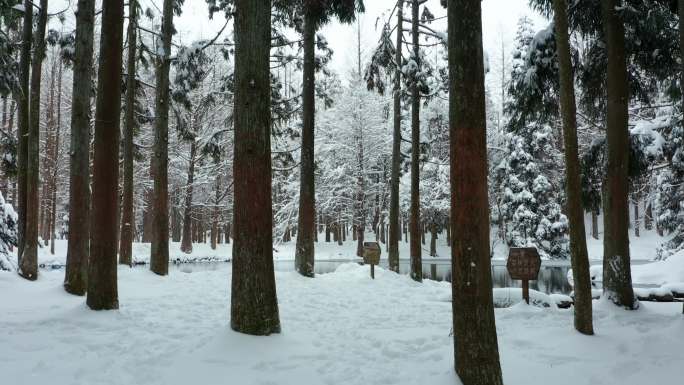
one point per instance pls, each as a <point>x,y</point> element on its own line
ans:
<point>447,227</point>
<point>573,185</point>
<point>102,285</point>
<point>393,252</point>
<point>304,253</point>
<point>228,233</point>
<point>48,159</point>
<point>159,256</point>
<point>648,209</point>
<point>617,277</point>
<point>680,9</point>
<point>637,220</point>
<point>186,240</point>
<point>475,344</point>
<point>594,224</point>
<point>327,230</point>
<point>414,221</point>
<point>22,95</point>
<point>75,281</point>
<point>433,240</point>
<point>215,215</point>
<point>55,165</point>
<point>127,218</point>
<point>254,305</point>
<point>176,224</point>
<point>28,265</point>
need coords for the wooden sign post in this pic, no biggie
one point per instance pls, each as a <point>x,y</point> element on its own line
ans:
<point>371,256</point>
<point>524,263</point>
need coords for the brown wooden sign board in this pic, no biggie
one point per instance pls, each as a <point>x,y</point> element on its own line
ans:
<point>524,264</point>
<point>371,255</point>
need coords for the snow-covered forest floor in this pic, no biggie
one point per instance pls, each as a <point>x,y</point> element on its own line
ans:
<point>339,328</point>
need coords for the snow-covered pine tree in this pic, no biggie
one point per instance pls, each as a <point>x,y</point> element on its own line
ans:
<point>8,234</point>
<point>528,176</point>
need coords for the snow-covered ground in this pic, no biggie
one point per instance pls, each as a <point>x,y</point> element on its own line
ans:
<point>339,328</point>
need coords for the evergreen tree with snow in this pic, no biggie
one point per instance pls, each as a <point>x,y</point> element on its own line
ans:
<point>528,176</point>
<point>8,233</point>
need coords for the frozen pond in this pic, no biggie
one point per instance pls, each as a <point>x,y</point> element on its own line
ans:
<point>552,277</point>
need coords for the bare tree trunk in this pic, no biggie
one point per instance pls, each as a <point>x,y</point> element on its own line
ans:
<point>476,349</point>
<point>159,256</point>
<point>594,224</point>
<point>75,277</point>
<point>254,305</point>
<point>393,253</point>
<point>304,253</point>
<point>327,229</point>
<point>127,218</point>
<point>648,214</point>
<point>22,95</point>
<point>573,185</point>
<point>617,277</point>
<point>414,221</point>
<point>102,284</point>
<point>55,165</point>
<point>637,220</point>
<point>433,240</point>
<point>228,233</point>
<point>28,265</point>
<point>186,240</point>
<point>215,215</point>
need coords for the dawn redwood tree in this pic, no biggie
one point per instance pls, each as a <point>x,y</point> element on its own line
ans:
<point>102,285</point>
<point>414,220</point>
<point>75,276</point>
<point>28,264</point>
<point>393,247</point>
<point>23,123</point>
<point>617,277</point>
<point>573,186</point>
<point>127,217</point>
<point>316,13</point>
<point>475,343</point>
<point>159,257</point>
<point>254,304</point>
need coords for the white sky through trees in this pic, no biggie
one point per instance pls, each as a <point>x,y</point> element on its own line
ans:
<point>499,18</point>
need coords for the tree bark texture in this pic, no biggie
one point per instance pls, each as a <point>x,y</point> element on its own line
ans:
<point>254,305</point>
<point>23,107</point>
<point>75,277</point>
<point>159,257</point>
<point>617,277</point>
<point>393,247</point>
<point>476,349</point>
<point>127,218</point>
<point>573,185</point>
<point>102,284</point>
<point>414,223</point>
<point>304,253</point>
<point>28,264</point>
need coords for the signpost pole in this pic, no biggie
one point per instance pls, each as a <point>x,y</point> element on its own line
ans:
<point>523,264</point>
<point>371,256</point>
